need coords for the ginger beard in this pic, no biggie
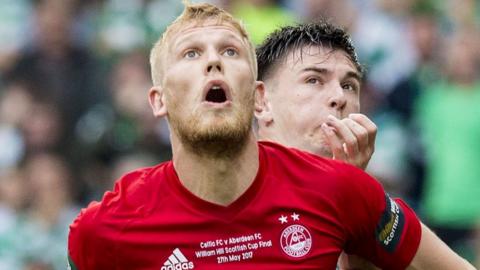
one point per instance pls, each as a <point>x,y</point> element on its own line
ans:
<point>213,133</point>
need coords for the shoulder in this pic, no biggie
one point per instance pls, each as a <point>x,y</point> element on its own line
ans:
<point>128,199</point>
<point>316,168</point>
<point>280,153</point>
<point>99,225</point>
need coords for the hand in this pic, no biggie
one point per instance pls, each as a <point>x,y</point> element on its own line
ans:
<point>352,262</point>
<point>351,139</point>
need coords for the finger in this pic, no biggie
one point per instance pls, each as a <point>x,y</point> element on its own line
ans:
<point>359,132</point>
<point>343,261</point>
<point>334,142</point>
<point>345,134</point>
<point>364,121</point>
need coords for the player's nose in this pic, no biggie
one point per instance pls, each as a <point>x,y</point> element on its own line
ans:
<point>337,99</point>
<point>214,62</point>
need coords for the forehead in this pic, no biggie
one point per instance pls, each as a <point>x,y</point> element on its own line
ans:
<point>205,32</point>
<point>320,56</point>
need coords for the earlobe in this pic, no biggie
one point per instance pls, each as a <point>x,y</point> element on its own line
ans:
<point>263,111</point>
<point>156,98</point>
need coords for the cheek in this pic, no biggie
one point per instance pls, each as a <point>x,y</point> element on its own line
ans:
<point>295,118</point>
<point>297,124</point>
<point>175,77</point>
<point>242,71</point>
<point>176,102</point>
<point>309,116</point>
<point>353,105</point>
<point>311,104</point>
<point>309,111</point>
<point>181,87</point>
<point>242,80</point>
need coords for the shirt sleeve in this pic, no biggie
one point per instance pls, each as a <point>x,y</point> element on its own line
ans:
<point>90,244</point>
<point>383,230</point>
<point>94,233</point>
<point>77,241</point>
<point>86,251</point>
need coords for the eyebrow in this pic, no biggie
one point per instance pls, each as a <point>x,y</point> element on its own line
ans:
<point>315,69</point>
<point>229,38</point>
<point>353,74</point>
<point>350,74</point>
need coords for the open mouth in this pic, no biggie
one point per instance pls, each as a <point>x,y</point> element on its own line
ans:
<point>216,94</point>
<point>217,91</point>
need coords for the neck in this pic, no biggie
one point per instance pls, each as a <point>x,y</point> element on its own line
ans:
<point>265,134</point>
<point>217,179</point>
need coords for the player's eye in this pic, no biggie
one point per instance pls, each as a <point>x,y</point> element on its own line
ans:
<point>313,80</point>
<point>190,54</point>
<point>349,87</point>
<point>230,52</point>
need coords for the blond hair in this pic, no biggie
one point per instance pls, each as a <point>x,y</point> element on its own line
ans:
<point>196,14</point>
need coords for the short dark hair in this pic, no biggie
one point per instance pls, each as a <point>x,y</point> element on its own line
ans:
<point>290,38</point>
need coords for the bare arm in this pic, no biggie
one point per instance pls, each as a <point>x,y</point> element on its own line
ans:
<point>353,262</point>
<point>434,254</point>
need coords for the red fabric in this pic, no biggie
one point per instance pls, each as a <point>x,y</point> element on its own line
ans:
<point>150,221</point>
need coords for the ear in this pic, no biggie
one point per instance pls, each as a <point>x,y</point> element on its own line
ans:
<point>156,97</point>
<point>263,111</point>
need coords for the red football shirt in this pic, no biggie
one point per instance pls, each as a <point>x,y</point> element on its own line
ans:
<point>300,212</point>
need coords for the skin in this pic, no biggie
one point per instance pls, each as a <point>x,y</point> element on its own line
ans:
<point>320,114</point>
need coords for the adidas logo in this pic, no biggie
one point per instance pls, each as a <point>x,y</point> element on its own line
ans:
<point>177,261</point>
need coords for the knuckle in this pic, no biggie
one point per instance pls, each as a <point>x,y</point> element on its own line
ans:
<point>348,121</point>
<point>362,133</point>
<point>357,115</point>
<point>351,141</point>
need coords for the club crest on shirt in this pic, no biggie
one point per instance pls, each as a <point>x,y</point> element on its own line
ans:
<point>295,240</point>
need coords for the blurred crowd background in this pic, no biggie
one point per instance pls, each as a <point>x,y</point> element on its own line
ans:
<point>74,115</point>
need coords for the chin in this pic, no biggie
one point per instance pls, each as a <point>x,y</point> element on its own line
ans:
<point>325,152</point>
<point>320,150</point>
<point>214,136</point>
